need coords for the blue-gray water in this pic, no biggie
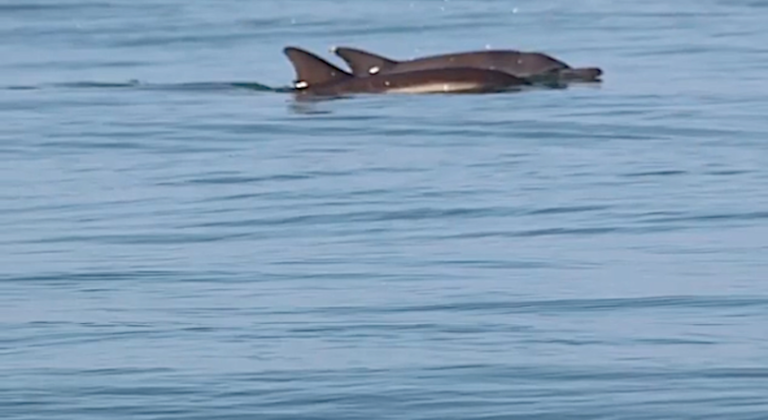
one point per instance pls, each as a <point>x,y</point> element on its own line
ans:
<point>176,243</point>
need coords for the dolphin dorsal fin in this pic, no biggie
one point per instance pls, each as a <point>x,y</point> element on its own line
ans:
<point>362,63</point>
<point>312,70</point>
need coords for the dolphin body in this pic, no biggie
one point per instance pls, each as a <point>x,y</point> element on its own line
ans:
<point>533,66</point>
<point>317,77</point>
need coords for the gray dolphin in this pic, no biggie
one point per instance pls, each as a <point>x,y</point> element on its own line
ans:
<point>317,77</point>
<point>534,66</point>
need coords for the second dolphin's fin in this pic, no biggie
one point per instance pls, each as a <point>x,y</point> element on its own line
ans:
<point>363,63</point>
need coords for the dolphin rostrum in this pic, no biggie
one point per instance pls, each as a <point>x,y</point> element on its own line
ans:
<point>315,76</point>
<point>529,65</point>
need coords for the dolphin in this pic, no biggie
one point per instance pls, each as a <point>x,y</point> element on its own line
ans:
<point>533,66</point>
<point>317,77</point>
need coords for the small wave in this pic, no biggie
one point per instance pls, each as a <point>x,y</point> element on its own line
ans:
<point>136,84</point>
<point>756,215</point>
<point>38,7</point>
<point>670,172</point>
<point>574,305</point>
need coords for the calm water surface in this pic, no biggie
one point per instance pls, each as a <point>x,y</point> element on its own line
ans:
<point>179,242</point>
